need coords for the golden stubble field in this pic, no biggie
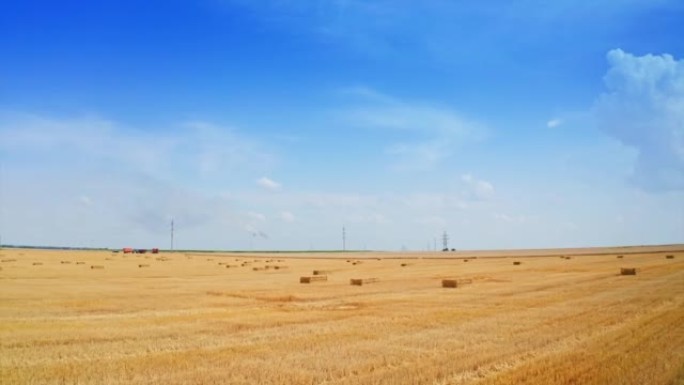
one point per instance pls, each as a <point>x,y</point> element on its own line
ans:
<point>189,319</point>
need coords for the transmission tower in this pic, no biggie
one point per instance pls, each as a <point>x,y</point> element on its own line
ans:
<point>445,241</point>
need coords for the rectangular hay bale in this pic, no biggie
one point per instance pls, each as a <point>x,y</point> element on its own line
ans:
<point>314,278</point>
<point>627,271</point>
<point>451,283</point>
<point>362,281</point>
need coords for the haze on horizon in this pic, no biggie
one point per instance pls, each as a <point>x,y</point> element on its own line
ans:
<point>271,125</point>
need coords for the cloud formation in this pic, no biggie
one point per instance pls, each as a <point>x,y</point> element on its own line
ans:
<point>431,133</point>
<point>477,189</point>
<point>554,123</point>
<point>643,108</point>
<point>268,184</point>
<point>287,216</point>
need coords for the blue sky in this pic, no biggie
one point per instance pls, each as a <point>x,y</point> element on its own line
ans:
<point>273,124</point>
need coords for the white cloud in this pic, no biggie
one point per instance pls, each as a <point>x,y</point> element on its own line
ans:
<point>256,216</point>
<point>268,184</point>
<point>554,123</point>
<point>518,219</point>
<point>432,221</point>
<point>131,181</point>
<point>644,108</point>
<point>476,188</point>
<point>85,200</point>
<point>426,134</point>
<point>194,149</point>
<point>287,216</point>
<point>366,217</point>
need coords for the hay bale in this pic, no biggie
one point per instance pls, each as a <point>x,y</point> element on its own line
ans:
<point>362,281</point>
<point>80,263</point>
<point>140,266</point>
<point>321,272</point>
<point>65,262</point>
<point>517,263</point>
<point>669,256</point>
<point>97,267</point>
<point>404,264</point>
<point>37,263</point>
<point>9,260</point>
<point>619,256</point>
<point>314,278</point>
<point>279,267</point>
<point>452,283</point>
<point>465,260</point>
<point>627,271</point>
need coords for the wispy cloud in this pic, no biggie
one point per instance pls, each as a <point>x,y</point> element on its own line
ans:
<point>197,149</point>
<point>127,183</point>
<point>287,216</point>
<point>434,28</point>
<point>432,133</point>
<point>553,123</point>
<point>476,188</point>
<point>644,108</point>
<point>268,184</point>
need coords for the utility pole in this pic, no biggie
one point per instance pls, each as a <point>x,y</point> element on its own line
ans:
<point>172,234</point>
<point>344,239</point>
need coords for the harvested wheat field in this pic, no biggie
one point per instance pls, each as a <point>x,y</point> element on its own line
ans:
<point>185,319</point>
